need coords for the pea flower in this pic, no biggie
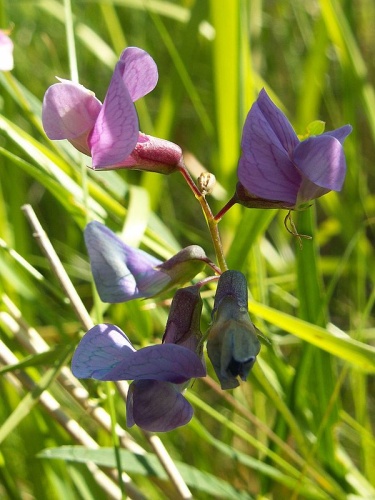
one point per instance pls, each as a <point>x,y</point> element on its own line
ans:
<point>6,52</point>
<point>159,372</point>
<point>109,132</point>
<point>232,342</point>
<point>123,273</point>
<point>277,170</point>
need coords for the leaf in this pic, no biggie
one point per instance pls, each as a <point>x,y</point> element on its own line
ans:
<point>360,355</point>
<point>44,358</point>
<point>146,465</point>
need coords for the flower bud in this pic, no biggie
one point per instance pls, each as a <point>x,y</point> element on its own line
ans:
<point>183,266</point>
<point>183,325</point>
<point>206,183</point>
<point>232,344</point>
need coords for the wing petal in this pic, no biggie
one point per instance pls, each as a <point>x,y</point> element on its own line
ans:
<point>69,110</point>
<point>117,267</point>
<point>321,159</point>
<point>101,349</point>
<point>163,362</point>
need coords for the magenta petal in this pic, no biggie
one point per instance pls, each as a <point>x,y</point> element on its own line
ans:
<point>139,72</point>
<point>121,272</point>
<point>163,362</point>
<point>69,110</point>
<point>278,122</point>
<point>115,133</point>
<point>321,159</point>
<point>157,406</point>
<point>100,350</point>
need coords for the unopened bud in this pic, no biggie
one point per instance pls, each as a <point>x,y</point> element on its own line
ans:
<point>206,183</point>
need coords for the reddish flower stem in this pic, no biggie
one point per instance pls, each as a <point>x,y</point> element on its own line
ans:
<point>225,209</point>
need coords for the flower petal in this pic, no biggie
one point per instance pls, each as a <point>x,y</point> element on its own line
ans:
<point>121,272</point>
<point>100,350</point>
<point>115,133</point>
<point>157,406</point>
<point>69,110</point>
<point>6,52</point>
<point>164,362</point>
<point>321,159</point>
<point>265,169</point>
<point>340,133</point>
<point>139,72</point>
<point>278,122</point>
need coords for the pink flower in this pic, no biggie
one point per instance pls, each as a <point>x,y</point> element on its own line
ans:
<point>6,52</point>
<point>109,132</point>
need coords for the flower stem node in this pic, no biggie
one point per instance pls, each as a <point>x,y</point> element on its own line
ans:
<point>232,341</point>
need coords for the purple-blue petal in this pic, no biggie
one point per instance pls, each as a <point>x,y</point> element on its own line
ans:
<point>278,122</point>
<point>266,167</point>
<point>101,349</point>
<point>157,406</point>
<point>163,362</point>
<point>340,133</point>
<point>321,159</point>
<point>121,272</point>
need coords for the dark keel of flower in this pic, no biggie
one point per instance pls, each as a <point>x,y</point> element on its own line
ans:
<point>232,341</point>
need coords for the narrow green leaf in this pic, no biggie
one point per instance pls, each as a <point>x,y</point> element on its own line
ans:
<point>146,465</point>
<point>360,355</point>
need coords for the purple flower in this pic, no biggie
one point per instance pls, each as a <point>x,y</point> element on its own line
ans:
<point>6,52</point>
<point>276,169</point>
<point>159,372</point>
<point>123,273</point>
<point>110,132</point>
<point>232,341</point>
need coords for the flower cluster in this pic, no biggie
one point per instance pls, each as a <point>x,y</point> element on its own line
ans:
<point>159,372</point>
<point>276,170</point>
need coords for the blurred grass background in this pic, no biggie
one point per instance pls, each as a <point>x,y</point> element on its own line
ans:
<point>302,426</point>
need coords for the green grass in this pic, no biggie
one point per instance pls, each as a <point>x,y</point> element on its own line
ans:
<point>302,425</point>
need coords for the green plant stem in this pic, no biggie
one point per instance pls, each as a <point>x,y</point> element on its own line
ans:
<point>210,219</point>
<point>115,438</point>
<point>70,41</point>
